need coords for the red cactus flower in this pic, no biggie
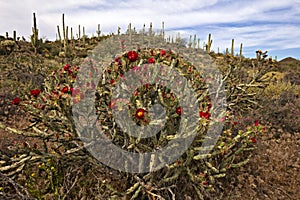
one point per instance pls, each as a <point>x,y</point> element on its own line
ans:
<point>136,93</point>
<point>151,60</point>
<point>35,93</point>
<point>140,113</point>
<point>71,90</point>
<point>235,123</point>
<point>16,101</point>
<point>253,140</point>
<point>67,67</point>
<point>162,52</point>
<point>112,81</point>
<point>179,110</point>
<point>256,123</point>
<point>132,56</point>
<point>65,89</point>
<point>205,115</point>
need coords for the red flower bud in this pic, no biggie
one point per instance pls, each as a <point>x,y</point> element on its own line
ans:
<point>65,89</point>
<point>205,115</point>
<point>16,101</point>
<point>253,140</point>
<point>162,52</point>
<point>179,110</point>
<point>35,93</point>
<point>112,103</point>
<point>67,67</point>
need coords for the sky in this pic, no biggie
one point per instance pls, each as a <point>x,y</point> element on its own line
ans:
<point>269,25</point>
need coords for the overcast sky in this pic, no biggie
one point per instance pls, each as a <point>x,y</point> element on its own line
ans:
<point>272,25</point>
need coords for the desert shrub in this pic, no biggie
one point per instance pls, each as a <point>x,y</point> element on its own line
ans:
<point>292,77</point>
<point>281,106</point>
<point>53,123</point>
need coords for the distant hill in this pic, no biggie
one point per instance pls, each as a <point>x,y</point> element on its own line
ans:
<point>289,60</point>
<point>291,68</point>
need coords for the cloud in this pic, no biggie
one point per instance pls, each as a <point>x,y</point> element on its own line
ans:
<point>265,24</point>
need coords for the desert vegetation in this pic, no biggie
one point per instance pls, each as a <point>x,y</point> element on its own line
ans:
<point>42,152</point>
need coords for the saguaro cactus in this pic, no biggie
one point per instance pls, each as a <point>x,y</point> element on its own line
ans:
<point>150,29</point>
<point>58,33</point>
<point>35,35</point>
<point>195,41</point>
<point>190,42</point>
<point>64,41</point>
<point>209,42</point>
<point>98,31</point>
<point>15,35</point>
<point>163,29</point>
<point>83,35</point>
<point>65,34</point>
<point>241,52</point>
<point>79,32</point>
<point>227,51</point>
<point>232,47</point>
<point>119,30</point>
